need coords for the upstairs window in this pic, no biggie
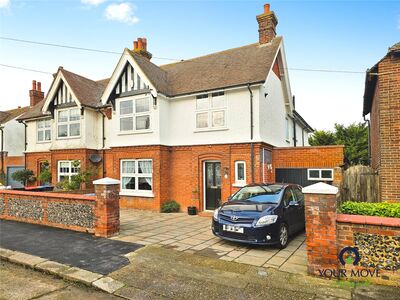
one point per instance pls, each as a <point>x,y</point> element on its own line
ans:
<point>44,130</point>
<point>134,115</point>
<point>211,111</point>
<point>69,123</point>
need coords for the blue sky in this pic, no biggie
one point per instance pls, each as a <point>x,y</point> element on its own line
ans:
<point>337,35</point>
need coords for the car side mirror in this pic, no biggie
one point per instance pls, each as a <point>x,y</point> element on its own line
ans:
<point>293,203</point>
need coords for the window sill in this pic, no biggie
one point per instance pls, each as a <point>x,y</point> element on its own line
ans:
<point>210,129</point>
<point>237,184</point>
<point>135,132</point>
<point>69,138</point>
<point>43,142</point>
<point>136,194</point>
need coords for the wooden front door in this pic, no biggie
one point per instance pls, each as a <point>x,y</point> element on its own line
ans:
<point>212,185</point>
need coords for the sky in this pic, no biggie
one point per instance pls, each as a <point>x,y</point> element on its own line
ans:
<point>318,35</point>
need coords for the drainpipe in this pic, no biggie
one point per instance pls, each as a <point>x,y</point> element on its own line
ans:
<point>369,139</point>
<point>294,133</point>
<point>25,139</point>
<point>2,151</point>
<point>104,143</point>
<point>251,134</point>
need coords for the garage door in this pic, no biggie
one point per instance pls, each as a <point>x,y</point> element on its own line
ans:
<point>296,176</point>
<point>10,181</point>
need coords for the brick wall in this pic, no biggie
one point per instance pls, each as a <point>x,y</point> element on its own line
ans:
<point>388,127</point>
<point>328,233</point>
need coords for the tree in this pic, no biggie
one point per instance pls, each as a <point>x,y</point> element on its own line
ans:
<point>354,137</point>
<point>23,176</point>
<point>322,138</point>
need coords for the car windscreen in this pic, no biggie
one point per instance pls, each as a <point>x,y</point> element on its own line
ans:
<point>259,193</point>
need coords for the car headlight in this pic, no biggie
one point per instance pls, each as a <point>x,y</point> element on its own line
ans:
<point>216,214</point>
<point>267,220</point>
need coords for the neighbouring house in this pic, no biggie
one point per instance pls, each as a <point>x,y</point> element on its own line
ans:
<point>192,131</point>
<point>12,141</point>
<point>382,103</point>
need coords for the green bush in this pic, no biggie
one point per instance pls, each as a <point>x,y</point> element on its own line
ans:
<point>23,176</point>
<point>170,206</point>
<point>382,209</point>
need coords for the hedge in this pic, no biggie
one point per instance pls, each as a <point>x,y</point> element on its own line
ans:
<point>382,209</point>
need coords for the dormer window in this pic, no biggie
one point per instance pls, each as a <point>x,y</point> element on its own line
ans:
<point>69,123</point>
<point>211,111</point>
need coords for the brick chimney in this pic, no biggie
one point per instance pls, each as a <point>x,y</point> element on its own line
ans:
<point>140,47</point>
<point>35,94</point>
<point>266,25</point>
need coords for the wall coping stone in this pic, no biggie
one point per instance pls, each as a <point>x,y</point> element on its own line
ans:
<point>49,195</point>
<point>106,181</point>
<point>368,220</point>
<point>320,188</point>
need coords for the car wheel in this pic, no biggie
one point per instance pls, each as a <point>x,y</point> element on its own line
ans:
<point>283,236</point>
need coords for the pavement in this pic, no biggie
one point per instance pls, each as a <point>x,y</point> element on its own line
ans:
<point>81,250</point>
<point>192,234</point>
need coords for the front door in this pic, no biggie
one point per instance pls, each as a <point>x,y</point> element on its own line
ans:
<point>213,185</point>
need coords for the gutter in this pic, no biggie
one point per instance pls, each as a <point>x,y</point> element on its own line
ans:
<point>2,151</point>
<point>251,134</point>
<point>25,138</point>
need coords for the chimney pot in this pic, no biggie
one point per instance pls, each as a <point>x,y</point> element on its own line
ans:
<point>266,25</point>
<point>35,94</point>
<point>39,86</point>
<point>140,47</point>
<point>140,44</point>
<point>33,85</point>
<point>144,43</point>
<point>135,45</point>
<point>266,8</point>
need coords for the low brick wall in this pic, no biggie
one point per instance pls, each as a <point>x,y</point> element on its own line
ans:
<point>75,212</point>
<point>349,247</point>
<point>93,214</point>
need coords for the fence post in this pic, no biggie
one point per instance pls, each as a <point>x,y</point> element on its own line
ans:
<point>320,213</point>
<point>107,207</point>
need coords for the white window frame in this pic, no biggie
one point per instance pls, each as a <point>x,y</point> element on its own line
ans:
<point>134,115</point>
<point>70,173</point>
<point>242,182</point>
<point>44,129</point>
<point>69,123</point>
<point>319,178</point>
<point>209,110</point>
<point>136,175</point>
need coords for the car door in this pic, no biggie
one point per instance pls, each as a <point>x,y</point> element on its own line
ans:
<point>290,212</point>
<point>300,200</point>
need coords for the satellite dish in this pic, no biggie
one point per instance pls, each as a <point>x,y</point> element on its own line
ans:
<point>95,158</point>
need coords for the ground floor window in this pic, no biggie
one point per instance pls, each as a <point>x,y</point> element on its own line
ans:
<point>137,177</point>
<point>240,173</point>
<point>67,169</point>
<point>320,174</point>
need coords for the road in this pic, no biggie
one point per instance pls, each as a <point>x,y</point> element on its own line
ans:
<point>19,283</point>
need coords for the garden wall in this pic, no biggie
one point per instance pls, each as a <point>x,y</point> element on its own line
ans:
<point>93,214</point>
<point>349,247</point>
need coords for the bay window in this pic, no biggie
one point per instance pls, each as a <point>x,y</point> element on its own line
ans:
<point>69,123</point>
<point>44,130</point>
<point>137,177</point>
<point>211,111</point>
<point>67,169</point>
<point>134,115</point>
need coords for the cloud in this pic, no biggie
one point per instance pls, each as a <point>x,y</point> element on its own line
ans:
<point>92,2</point>
<point>4,3</point>
<point>123,12</point>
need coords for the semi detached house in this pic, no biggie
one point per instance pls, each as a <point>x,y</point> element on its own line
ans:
<point>192,131</point>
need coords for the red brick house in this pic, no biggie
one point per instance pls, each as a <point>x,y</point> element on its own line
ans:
<point>382,103</point>
<point>192,131</point>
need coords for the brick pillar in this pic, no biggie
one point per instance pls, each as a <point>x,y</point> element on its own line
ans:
<point>107,207</point>
<point>320,213</point>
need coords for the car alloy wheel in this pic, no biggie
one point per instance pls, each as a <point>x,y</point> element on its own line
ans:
<point>283,236</point>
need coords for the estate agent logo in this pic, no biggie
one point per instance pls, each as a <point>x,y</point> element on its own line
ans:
<point>349,256</point>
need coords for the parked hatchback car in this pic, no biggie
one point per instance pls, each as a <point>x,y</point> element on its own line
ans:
<point>264,214</point>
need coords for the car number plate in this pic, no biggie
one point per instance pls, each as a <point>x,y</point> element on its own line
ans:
<point>231,228</point>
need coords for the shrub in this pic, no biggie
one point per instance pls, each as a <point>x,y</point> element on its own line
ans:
<point>382,209</point>
<point>170,206</point>
<point>23,176</point>
<point>45,176</point>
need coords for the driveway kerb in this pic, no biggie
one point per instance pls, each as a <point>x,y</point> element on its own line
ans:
<point>66,272</point>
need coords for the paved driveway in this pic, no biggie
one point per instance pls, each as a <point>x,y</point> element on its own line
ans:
<point>192,234</point>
